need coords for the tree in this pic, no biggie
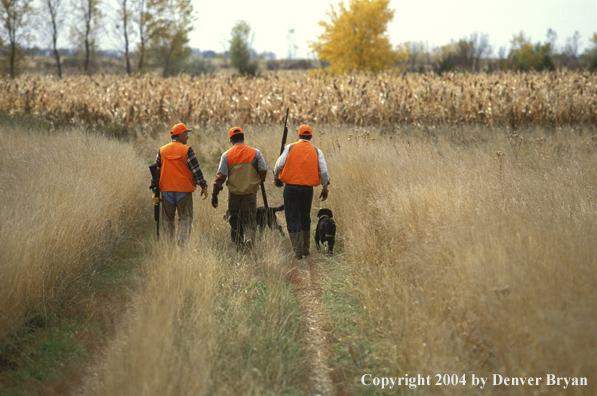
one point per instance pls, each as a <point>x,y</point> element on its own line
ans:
<point>480,48</point>
<point>86,27</point>
<point>124,29</point>
<point>525,56</point>
<point>141,20</point>
<point>356,39</point>
<point>240,49</point>
<point>55,11</point>
<point>590,54</point>
<point>571,48</point>
<point>168,24</point>
<point>17,18</point>
<point>414,51</point>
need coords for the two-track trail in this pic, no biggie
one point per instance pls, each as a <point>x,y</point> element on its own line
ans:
<point>305,277</point>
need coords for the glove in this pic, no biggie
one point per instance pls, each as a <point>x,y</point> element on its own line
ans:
<point>278,182</point>
<point>214,200</point>
<point>204,193</point>
<point>155,199</point>
<point>324,195</point>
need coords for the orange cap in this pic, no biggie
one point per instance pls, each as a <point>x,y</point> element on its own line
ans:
<point>235,131</point>
<point>178,129</point>
<point>305,130</point>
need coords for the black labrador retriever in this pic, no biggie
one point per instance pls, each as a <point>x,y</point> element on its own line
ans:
<point>326,230</point>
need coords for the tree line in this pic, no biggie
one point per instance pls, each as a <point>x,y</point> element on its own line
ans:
<point>474,53</point>
<point>355,39</point>
<point>145,32</point>
<point>155,33</point>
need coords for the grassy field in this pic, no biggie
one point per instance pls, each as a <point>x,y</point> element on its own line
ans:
<point>461,250</point>
<point>65,198</point>
<point>467,251</point>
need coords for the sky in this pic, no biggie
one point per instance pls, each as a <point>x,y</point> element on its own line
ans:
<point>434,22</point>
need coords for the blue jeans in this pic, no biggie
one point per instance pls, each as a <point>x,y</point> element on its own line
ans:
<point>297,207</point>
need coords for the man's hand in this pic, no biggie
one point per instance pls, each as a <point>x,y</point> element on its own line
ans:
<point>324,194</point>
<point>278,182</point>
<point>204,193</point>
<point>155,199</point>
<point>214,200</point>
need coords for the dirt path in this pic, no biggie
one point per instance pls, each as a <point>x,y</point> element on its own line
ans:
<point>316,345</point>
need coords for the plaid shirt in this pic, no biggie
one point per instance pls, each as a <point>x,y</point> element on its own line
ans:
<point>192,163</point>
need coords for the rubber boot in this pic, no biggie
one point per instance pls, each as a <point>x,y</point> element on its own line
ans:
<point>296,239</point>
<point>306,242</point>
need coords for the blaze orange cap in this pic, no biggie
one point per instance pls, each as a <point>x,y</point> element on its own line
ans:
<point>178,129</point>
<point>235,131</point>
<point>305,130</point>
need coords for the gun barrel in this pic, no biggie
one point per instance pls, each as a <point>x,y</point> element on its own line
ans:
<point>285,134</point>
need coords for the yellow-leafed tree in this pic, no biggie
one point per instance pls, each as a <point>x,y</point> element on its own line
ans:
<point>355,39</point>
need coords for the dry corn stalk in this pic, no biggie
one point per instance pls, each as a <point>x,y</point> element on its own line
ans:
<point>557,98</point>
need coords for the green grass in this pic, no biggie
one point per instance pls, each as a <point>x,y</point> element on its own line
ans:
<point>352,345</point>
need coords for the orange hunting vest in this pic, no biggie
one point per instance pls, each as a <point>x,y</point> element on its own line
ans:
<point>302,165</point>
<point>242,176</point>
<point>175,174</point>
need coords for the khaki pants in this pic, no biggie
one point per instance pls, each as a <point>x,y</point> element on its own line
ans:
<point>184,207</point>
<point>242,216</point>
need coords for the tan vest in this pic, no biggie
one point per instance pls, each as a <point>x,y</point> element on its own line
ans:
<point>242,176</point>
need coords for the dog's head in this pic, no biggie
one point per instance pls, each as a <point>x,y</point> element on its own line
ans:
<point>325,212</point>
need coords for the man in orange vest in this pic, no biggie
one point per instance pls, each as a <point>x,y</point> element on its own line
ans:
<point>301,167</point>
<point>245,168</point>
<point>179,174</point>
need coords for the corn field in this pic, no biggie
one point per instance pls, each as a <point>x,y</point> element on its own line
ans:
<point>509,99</point>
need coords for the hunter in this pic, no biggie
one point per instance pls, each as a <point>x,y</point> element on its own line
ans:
<point>301,167</point>
<point>179,174</point>
<point>245,169</point>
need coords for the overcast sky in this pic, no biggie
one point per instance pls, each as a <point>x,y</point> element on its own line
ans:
<point>435,22</point>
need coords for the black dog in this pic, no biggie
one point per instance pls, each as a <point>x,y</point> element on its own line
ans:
<point>326,230</point>
<point>267,217</point>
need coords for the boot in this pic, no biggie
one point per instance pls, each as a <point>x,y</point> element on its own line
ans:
<point>296,239</point>
<point>306,242</point>
<point>249,240</point>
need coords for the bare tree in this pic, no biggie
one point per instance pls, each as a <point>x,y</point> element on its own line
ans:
<point>414,51</point>
<point>17,18</point>
<point>142,21</point>
<point>86,28</point>
<point>123,29</point>
<point>480,48</point>
<point>54,9</point>
<point>572,45</point>
<point>292,47</point>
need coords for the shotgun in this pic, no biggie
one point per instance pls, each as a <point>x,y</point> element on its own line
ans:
<point>285,134</point>
<point>277,182</point>
<point>262,187</point>
<point>155,188</point>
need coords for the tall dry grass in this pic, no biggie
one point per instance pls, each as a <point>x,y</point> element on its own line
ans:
<point>208,321</point>
<point>474,257</point>
<point>556,98</point>
<point>64,198</point>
